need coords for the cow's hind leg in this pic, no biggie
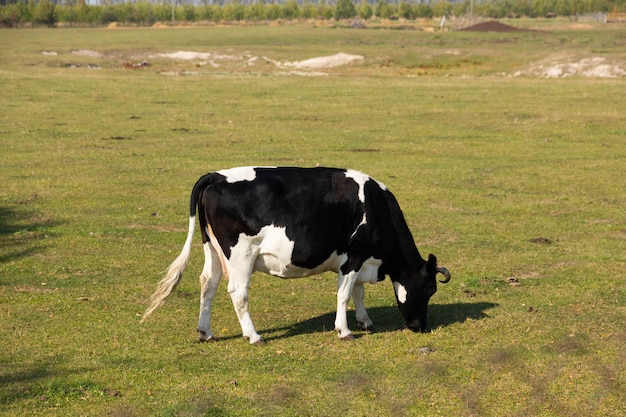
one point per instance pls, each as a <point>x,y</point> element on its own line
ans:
<point>209,280</point>
<point>238,284</point>
<point>362,319</point>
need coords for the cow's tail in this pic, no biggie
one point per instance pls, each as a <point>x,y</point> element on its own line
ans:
<point>177,268</point>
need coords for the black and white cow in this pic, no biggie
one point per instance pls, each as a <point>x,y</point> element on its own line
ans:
<point>296,222</point>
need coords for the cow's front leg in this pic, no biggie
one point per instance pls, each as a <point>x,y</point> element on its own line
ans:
<point>209,280</point>
<point>362,319</point>
<point>238,290</point>
<point>344,290</point>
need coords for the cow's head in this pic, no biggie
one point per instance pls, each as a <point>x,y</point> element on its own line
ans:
<point>414,289</point>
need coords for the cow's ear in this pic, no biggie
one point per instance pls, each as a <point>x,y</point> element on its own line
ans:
<point>431,264</point>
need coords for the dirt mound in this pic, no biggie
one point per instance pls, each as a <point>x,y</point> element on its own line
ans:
<point>492,26</point>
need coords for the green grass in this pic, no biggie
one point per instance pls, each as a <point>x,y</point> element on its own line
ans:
<point>96,170</point>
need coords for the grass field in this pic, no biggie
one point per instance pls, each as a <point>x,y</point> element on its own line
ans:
<point>516,183</point>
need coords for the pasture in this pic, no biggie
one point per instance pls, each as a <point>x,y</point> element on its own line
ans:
<point>514,180</point>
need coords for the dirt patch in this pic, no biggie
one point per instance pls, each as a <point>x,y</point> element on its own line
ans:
<point>118,138</point>
<point>364,150</point>
<point>492,26</point>
<point>86,52</point>
<point>302,68</point>
<point>541,240</point>
<point>564,65</point>
<point>204,56</point>
<point>332,61</point>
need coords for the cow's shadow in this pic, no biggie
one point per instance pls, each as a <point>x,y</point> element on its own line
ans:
<point>386,319</point>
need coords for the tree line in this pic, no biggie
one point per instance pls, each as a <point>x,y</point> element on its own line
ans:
<point>20,13</point>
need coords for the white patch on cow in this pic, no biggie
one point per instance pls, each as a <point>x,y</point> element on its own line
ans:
<point>271,251</point>
<point>361,178</point>
<point>275,251</point>
<point>400,291</point>
<point>363,222</point>
<point>239,174</point>
<point>369,271</point>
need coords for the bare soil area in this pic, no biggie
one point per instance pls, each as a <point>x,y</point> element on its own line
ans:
<point>492,26</point>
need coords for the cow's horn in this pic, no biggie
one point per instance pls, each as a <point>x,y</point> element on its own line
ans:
<point>445,272</point>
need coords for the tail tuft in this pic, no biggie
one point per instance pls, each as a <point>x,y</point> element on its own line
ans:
<point>173,275</point>
<point>177,268</point>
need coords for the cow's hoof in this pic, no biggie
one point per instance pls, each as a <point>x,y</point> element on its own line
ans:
<point>347,337</point>
<point>206,336</point>
<point>365,327</point>
<point>258,342</point>
<point>209,340</point>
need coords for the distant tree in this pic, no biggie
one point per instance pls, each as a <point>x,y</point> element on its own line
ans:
<point>273,12</point>
<point>291,10</point>
<point>492,9</point>
<point>365,10</point>
<point>578,6</point>
<point>441,8</point>
<point>205,12</point>
<point>255,12</point>
<point>325,11</point>
<point>162,12</point>
<point>542,7</point>
<point>562,7</point>
<point>383,9</point>
<point>82,12</point>
<point>345,9</point>
<point>406,11</point>
<point>44,13</point>
<point>424,11</point>
<point>15,14</point>
<point>233,12</point>
<point>65,13</point>
<point>308,10</point>
<point>600,6</point>
<point>108,15</point>
<point>521,7</point>
<point>189,13</point>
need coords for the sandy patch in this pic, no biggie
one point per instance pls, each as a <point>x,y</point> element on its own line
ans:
<point>580,26</point>
<point>308,67</point>
<point>322,62</point>
<point>332,61</point>
<point>179,73</point>
<point>203,56</point>
<point>213,59</point>
<point>562,66</point>
<point>304,73</point>
<point>86,52</point>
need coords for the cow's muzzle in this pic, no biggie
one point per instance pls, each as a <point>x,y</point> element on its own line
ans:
<point>417,326</point>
